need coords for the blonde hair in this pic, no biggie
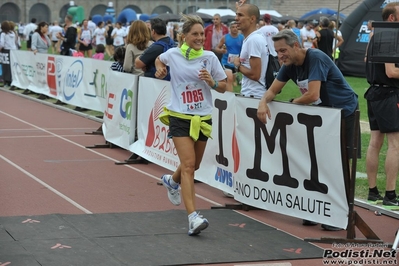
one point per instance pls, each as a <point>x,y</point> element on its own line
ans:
<point>139,34</point>
<point>189,21</point>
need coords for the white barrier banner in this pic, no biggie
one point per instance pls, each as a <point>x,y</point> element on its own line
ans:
<point>119,121</point>
<point>293,164</point>
<point>221,159</point>
<point>153,143</point>
<point>74,80</point>
<point>22,68</point>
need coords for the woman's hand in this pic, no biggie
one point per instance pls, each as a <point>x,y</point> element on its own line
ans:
<point>205,76</point>
<point>161,72</point>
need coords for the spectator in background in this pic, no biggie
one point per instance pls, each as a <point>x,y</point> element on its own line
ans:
<point>308,35</point>
<point>21,28</point>
<point>84,39</point>
<point>230,46</point>
<point>146,61</point>
<point>53,32</point>
<point>109,48</point>
<point>214,33</point>
<point>28,32</point>
<point>118,34</point>
<point>337,41</point>
<point>383,113</point>
<point>7,42</point>
<point>69,38</point>
<point>119,58</point>
<point>175,31</point>
<point>371,29</point>
<point>100,49</point>
<point>253,59</point>
<point>268,32</point>
<point>40,44</point>
<point>138,39</point>
<point>293,26</point>
<point>91,25</point>
<point>261,23</point>
<point>325,37</point>
<point>40,41</point>
<point>17,39</point>
<point>99,34</point>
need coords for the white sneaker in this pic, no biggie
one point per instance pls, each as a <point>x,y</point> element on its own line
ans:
<point>173,192</point>
<point>197,224</point>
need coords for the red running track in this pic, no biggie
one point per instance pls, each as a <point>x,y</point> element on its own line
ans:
<point>45,168</point>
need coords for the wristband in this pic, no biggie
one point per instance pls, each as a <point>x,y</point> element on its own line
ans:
<point>237,68</point>
<point>216,84</point>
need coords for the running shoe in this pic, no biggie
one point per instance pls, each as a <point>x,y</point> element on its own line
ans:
<point>374,198</point>
<point>390,204</point>
<point>197,224</point>
<point>173,192</point>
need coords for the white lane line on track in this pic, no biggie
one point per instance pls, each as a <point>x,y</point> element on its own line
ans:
<point>102,155</point>
<point>138,170</point>
<point>74,203</point>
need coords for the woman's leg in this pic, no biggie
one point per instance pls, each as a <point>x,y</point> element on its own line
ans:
<point>190,154</point>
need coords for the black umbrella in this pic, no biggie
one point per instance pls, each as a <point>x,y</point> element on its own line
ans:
<point>286,18</point>
<point>205,17</point>
<point>228,18</point>
<point>316,18</point>
<point>169,17</point>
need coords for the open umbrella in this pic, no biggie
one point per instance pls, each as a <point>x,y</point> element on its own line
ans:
<point>205,17</point>
<point>316,18</point>
<point>287,17</point>
<point>228,18</point>
<point>168,17</point>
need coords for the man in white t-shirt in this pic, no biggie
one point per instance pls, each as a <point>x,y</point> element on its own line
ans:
<point>28,31</point>
<point>91,25</point>
<point>308,35</point>
<point>253,59</point>
<point>269,31</point>
<point>53,33</point>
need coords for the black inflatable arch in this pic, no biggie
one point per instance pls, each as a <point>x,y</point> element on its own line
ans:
<point>356,35</point>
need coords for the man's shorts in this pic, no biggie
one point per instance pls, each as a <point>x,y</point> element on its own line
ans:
<point>383,108</point>
<point>179,127</point>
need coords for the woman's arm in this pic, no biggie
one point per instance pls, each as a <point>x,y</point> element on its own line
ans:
<point>128,62</point>
<point>34,42</point>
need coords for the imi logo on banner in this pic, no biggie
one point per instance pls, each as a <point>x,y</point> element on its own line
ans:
<point>157,134</point>
<point>223,175</point>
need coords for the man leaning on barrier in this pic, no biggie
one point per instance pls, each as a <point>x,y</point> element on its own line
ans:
<point>319,81</point>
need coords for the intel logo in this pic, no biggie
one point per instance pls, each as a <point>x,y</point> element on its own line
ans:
<point>73,78</point>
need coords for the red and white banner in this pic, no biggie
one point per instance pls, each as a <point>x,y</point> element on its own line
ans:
<point>291,165</point>
<point>153,143</point>
<point>74,80</point>
<point>119,120</point>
